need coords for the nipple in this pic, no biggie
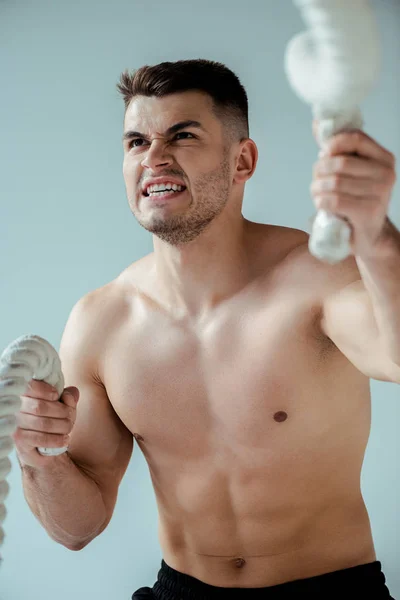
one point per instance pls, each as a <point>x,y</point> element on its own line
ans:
<point>138,437</point>
<point>280,416</point>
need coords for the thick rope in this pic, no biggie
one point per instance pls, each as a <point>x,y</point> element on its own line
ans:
<point>28,357</point>
<point>333,66</point>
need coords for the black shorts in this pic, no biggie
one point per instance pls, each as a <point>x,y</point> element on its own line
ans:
<point>357,583</point>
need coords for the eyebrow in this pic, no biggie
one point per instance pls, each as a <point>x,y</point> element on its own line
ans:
<point>177,127</point>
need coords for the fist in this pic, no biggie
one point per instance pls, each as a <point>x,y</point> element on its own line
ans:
<point>44,422</point>
<point>353,179</point>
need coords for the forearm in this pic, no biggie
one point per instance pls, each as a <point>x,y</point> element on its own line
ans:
<point>381,276</point>
<point>65,501</point>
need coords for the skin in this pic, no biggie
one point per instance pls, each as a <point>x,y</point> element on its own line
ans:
<point>253,423</point>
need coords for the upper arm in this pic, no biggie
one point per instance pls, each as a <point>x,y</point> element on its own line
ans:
<point>348,320</point>
<point>100,444</point>
<point>346,312</point>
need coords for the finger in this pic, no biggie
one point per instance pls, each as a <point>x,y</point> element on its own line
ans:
<point>41,389</point>
<point>39,439</point>
<point>44,408</point>
<point>29,422</point>
<point>352,186</point>
<point>70,396</point>
<point>351,165</point>
<point>344,206</point>
<point>360,143</point>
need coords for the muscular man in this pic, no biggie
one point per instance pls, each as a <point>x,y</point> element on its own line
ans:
<point>238,362</point>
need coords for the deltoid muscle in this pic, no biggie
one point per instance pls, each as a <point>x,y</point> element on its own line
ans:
<point>28,357</point>
<point>333,66</point>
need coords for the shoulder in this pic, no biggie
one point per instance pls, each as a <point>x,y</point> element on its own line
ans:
<point>121,290</point>
<point>301,271</point>
<point>97,317</point>
<point>91,320</point>
<point>272,244</point>
<point>324,278</point>
<point>100,311</point>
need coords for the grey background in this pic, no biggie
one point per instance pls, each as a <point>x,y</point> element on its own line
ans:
<point>66,227</point>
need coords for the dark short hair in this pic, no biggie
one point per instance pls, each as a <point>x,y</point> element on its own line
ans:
<point>230,102</point>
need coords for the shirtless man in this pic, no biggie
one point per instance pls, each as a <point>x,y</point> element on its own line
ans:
<point>238,362</point>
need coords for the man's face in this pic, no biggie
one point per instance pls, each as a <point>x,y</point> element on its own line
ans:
<point>197,157</point>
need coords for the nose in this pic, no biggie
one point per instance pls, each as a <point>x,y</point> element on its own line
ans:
<point>156,156</point>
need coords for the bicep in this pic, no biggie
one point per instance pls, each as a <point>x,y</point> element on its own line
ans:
<point>100,444</point>
<point>348,320</point>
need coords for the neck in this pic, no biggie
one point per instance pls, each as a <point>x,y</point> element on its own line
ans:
<point>195,277</point>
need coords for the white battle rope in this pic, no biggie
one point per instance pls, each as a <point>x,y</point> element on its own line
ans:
<point>333,66</point>
<point>28,357</point>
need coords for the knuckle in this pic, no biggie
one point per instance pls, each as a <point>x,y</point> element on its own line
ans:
<point>21,436</point>
<point>336,179</point>
<point>65,411</point>
<point>17,435</point>
<point>66,424</point>
<point>46,424</point>
<point>342,162</point>
<point>37,408</point>
<point>335,182</point>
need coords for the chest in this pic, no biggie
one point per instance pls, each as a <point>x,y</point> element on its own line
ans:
<point>239,378</point>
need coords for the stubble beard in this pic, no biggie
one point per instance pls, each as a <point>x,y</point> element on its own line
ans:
<point>211,191</point>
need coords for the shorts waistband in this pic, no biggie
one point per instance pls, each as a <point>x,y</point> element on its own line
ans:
<point>346,583</point>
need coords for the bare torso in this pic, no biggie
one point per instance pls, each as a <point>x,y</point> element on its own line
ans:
<point>253,424</point>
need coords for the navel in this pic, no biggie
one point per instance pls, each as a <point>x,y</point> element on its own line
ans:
<point>280,416</point>
<point>239,562</point>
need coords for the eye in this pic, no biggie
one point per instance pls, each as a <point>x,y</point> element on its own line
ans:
<point>184,133</point>
<point>133,145</point>
<point>132,142</point>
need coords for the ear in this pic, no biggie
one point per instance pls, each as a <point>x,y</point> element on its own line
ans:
<point>246,161</point>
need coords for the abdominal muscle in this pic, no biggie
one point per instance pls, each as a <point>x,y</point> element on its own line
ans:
<point>233,533</point>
